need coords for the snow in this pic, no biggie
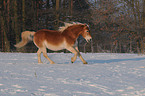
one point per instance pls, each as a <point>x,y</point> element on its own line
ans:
<point>105,74</point>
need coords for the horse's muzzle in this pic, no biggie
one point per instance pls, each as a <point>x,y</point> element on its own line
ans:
<point>89,40</point>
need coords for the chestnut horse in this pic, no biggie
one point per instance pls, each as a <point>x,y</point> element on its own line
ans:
<point>55,40</point>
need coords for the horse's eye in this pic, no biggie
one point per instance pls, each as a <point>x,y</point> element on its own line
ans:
<point>87,31</point>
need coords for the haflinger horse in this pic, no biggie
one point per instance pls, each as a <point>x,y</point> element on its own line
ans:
<point>64,38</point>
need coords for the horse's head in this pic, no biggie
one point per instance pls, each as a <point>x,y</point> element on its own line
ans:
<point>86,33</point>
<point>75,29</point>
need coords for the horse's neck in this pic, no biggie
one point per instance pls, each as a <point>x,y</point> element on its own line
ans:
<point>71,35</point>
<point>73,31</point>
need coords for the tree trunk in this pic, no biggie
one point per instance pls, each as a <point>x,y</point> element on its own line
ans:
<point>34,8</point>
<point>142,46</point>
<point>6,43</point>
<point>92,47</point>
<point>138,48</point>
<point>8,15</point>
<point>130,45</point>
<point>142,35</point>
<point>16,22</point>
<point>23,14</point>
<point>71,9</point>
<point>57,14</point>
<point>120,49</point>
<point>143,14</point>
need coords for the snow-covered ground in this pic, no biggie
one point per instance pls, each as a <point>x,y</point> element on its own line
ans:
<point>105,74</point>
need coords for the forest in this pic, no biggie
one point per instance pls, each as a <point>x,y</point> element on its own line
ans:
<point>117,26</point>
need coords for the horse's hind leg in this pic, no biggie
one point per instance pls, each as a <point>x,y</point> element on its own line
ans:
<point>39,56</point>
<point>45,55</point>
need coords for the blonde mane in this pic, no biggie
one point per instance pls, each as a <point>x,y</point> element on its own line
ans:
<point>66,25</point>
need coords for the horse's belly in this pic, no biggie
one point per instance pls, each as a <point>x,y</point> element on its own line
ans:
<point>55,47</point>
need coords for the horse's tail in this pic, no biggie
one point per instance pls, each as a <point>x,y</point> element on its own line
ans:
<point>26,37</point>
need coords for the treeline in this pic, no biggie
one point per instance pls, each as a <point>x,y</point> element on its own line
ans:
<point>116,25</point>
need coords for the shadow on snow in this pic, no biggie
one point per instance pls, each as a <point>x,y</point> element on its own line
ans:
<point>114,60</point>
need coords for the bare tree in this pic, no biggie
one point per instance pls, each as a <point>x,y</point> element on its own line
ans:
<point>5,41</point>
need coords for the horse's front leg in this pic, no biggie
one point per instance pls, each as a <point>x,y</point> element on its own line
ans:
<point>80,56</point>
<point>71,49</point>
<point>76,53</point>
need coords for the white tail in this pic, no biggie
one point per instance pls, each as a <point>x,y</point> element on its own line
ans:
<point>26,37</point>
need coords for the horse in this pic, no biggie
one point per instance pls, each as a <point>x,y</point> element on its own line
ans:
<point>63,38</point>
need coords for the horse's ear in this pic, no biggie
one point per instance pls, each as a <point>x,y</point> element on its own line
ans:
<point>83,26</point>
<point>86,25</point>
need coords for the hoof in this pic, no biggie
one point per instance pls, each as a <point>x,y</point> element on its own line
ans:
<point>40,62</point>
<point>73,60</point>
<point>85,63</point>
<point>52,63</point>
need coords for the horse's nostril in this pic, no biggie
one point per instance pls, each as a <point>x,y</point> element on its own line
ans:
<point>90,39</point>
